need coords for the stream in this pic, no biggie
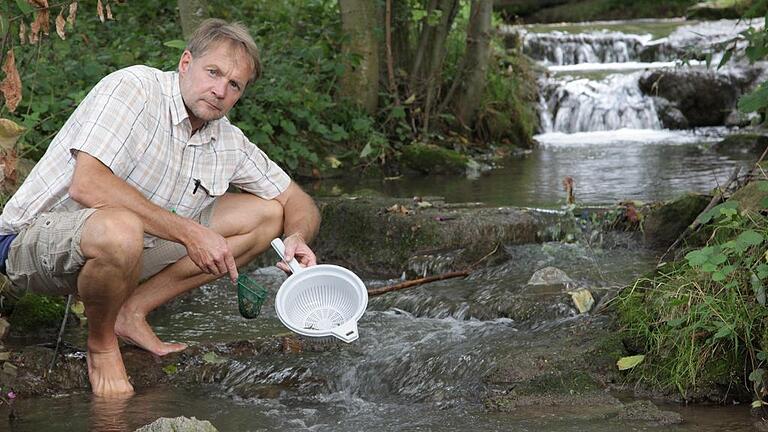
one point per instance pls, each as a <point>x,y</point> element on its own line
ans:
<point>423,353</point>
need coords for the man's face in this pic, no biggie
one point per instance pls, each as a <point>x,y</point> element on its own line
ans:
<point>213,82</point>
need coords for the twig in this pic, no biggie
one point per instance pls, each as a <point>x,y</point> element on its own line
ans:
<point>415,282</point>
<point>695,224</point>
<point>61,333</point>
<point>390,60</point>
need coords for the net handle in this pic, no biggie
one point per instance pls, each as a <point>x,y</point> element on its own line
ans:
<point>279,247</point>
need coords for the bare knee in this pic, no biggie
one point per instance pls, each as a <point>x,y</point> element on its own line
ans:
<point>114,235</point>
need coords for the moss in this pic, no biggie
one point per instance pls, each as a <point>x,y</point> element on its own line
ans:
<point>35,312</point>
<point>664,224</point>
<point>566,382</point>
<point>432,159</point>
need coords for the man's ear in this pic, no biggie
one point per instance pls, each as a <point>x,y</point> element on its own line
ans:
<point>185,60</point>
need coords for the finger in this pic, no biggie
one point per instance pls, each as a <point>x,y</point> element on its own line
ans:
<point>232,267</point>
<point>282,266</point>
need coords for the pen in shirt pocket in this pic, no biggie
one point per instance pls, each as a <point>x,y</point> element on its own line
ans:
<point>197,186</point>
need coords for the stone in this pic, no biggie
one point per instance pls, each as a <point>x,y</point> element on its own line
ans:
<point>744,143</point>
<point>5,327</point>
<point>178,424</point>
<point>432,159</point>
<point>550,276</point>
<point>583,300</point>
<point>664,223</point>
<point>704,98</point>
<point>670,115</point>
<point>5,356</point>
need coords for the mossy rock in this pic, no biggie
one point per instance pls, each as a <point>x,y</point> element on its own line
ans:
<point>717,9</point>
<point>753,197</point>
<point>752,143</point>
<point>662,225</point>
<point>432,159</point>
<point>35,313</point>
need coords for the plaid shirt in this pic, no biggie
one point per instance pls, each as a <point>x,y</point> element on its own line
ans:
<point>134,121</point>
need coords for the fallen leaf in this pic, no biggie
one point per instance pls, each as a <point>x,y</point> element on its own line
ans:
<point>41,24</point>
<point>22,33</point>
<point>11,85</point>
<point>423,204</point>
<point>109,13</point>
<point>72,13</point>
<point>10,132</point>
<point>292,345</point>
<point>625,363</point>
<point>60,24</point>
<point>213,358</point>
<point>398,208</point>
<point>333,161</point>
<point>9,160</point>
<point>100,10</point>
<point>583,300</point>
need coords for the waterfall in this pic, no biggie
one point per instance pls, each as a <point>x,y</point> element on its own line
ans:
<point>591,84</point>
<point>584,105</point>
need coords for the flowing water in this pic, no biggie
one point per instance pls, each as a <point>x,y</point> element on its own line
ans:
<point>423,353</point>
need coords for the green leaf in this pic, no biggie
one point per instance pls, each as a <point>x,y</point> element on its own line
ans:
<point>212,358</point>
<point>754,100</point>
<point>724,331</point>
<point>367,150</point>
<point>625,363</point>
<point>176,43</point>
<point>24,7</point>
<point>750,238</point>
<point>757,375</point>
<point>3,26</point>
<point>726,57</point>
<point>676,322</point>
<point>696,258</point>
<point>398,112</point>
<point>288,127</point>
<point>764,203</point>
<point>758,288</point>
<point>757,404</point>
<point>762,271</point>
<point>762,356</point>
<point>171,369</point>
<point>762,186</point>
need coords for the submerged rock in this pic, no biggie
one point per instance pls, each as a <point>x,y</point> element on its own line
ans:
<point>754,143</point>
<point>550,276</point>
<point>178,424</point>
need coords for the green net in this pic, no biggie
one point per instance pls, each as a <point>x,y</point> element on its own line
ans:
<point>250,297</point>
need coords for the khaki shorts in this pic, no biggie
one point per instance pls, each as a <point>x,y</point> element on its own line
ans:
<point>45,257</point>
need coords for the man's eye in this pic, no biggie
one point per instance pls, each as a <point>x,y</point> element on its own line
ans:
<point>234,85</point>
<point>212,72</point>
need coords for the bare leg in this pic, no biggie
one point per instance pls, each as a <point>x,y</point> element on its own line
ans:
<point>111,243</point>
<point>247,222</point>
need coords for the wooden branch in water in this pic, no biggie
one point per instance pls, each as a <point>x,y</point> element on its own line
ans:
<point>415,282</point>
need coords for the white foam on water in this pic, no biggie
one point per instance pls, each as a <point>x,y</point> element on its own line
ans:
<point>630,136</point>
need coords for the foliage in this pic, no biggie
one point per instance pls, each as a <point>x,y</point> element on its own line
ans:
<point>701,321</point>
<point>293,112</point>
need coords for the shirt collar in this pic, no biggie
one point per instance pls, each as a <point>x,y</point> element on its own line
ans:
<point>209,132</point>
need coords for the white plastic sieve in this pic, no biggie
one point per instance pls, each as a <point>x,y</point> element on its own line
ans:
<point>322,300</point>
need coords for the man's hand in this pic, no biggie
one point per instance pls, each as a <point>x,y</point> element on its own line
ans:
<point>210,252</point>
<point>296,247</point>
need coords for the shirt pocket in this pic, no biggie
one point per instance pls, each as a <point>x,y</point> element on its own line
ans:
<point>201,190</point>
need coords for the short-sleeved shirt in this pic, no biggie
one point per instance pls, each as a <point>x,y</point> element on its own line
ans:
<point>135,122</point>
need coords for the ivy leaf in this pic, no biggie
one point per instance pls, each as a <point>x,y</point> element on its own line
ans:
<point>696,258</point>
<point>757,375</point>
<point>750,238</point>
<point>625,363</point>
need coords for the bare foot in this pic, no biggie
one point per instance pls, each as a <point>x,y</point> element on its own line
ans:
<point>107,373</point>
<point>134,329</point>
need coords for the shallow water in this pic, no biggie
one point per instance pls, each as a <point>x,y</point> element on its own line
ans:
<point>608,167</point>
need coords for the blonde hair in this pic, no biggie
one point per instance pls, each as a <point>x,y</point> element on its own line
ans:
<point>213,31</point>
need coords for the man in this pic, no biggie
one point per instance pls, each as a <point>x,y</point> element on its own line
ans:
<point>129,206</point>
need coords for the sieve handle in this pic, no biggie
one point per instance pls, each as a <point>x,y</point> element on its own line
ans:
<point>346,332</point>
<point>279,247</point>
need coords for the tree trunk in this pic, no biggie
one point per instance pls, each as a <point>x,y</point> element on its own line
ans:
<point>471,78</point>
<point>192,13</point>
<point>360,81</point>
<point>433,68</point>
